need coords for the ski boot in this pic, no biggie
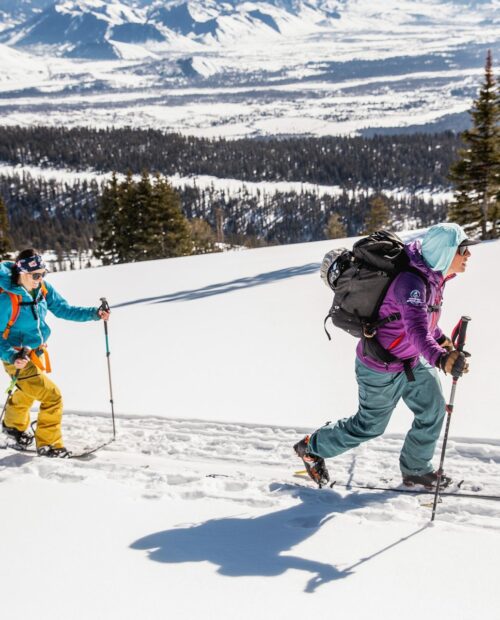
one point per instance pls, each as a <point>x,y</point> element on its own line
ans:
<point>315,465</point>
<point>22,439</point>
<point>53,453</point>
<point>428,481</point>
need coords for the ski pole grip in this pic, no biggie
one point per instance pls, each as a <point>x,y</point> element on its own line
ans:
<point>462,331</point>
<point>23,353</point>
<point>104,304</point>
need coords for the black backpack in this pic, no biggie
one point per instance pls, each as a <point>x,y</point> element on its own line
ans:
<point>360,279</point>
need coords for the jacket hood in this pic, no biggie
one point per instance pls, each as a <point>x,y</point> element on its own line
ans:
<point>6,276</point>
<point>439,245</point>
<point>414,251</point>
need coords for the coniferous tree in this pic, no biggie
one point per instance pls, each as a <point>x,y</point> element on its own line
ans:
<point>141,221</point>
<point>202,236</point>
<point>335,228</point>
<point>110,221</point>
<point>5,241</point>
<point>477,173</point>
<point>378,217</point>
<point>172,234</point>
<point>141,217</point>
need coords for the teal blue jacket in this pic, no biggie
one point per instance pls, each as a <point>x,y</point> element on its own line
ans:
<point>31,329</point>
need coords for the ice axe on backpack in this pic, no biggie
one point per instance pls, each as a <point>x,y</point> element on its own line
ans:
<point>458,338</point>
<point>23,353</point>
<point>105,307</point>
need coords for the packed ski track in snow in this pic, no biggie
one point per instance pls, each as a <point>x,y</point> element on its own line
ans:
<point>255,466</point>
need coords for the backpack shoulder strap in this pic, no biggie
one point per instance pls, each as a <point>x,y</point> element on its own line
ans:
<point>15,301</point>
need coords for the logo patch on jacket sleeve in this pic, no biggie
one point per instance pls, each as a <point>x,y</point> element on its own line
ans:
<point>415,298</point>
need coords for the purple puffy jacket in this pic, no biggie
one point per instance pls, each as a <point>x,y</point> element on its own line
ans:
<point>416,332</point>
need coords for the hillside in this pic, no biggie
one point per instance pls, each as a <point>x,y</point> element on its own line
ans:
<point>219,364</point>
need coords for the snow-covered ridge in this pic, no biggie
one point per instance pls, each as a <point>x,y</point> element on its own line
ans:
<point>76,22</point>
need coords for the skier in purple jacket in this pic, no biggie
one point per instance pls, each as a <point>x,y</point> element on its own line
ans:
<point>416,340</point>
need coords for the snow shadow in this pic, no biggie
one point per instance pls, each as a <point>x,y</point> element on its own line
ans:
<point>16,460</point>
<point>226,287</point>
<point>260,546</point>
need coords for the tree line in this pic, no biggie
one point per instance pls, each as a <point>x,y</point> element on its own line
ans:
<point>382,162</point>
<point>87,216</point>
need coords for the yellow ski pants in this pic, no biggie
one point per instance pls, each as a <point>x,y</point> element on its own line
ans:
<point>33,384</point>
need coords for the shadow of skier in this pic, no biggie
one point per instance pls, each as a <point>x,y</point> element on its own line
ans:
<point>226,287</point>
<point>258,546</point>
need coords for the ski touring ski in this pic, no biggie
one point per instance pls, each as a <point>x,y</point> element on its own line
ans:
<point>459,492</point>
<point>81,454</point>
<point>417,490</point>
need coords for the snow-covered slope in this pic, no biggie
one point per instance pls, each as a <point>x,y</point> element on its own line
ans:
<point>219,364</point>
<point>239,337</point>
<point>194,511</point>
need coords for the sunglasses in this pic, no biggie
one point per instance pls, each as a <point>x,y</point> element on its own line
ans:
<point>38,276</point>
<point>462,249</point>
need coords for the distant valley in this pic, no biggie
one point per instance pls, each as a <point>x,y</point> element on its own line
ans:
<point>255,69</point>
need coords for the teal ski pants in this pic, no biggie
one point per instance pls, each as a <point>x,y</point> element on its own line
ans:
<point>379,393</point>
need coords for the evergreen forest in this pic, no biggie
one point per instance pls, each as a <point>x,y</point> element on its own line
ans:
<point>62,216</point>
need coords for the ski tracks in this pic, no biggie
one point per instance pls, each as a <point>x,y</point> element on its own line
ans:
<point>253,466</point>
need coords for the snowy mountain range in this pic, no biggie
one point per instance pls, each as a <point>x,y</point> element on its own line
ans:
<point>89,28</point>
<point>250,67</point>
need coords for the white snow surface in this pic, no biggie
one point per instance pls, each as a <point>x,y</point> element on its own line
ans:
<point>219,364</point>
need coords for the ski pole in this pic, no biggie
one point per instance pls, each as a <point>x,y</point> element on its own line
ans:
<point>458,338</point>
<point>105,306</point>
<point>23,353</point>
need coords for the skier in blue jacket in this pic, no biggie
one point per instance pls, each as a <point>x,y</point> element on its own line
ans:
<point>24,300</point>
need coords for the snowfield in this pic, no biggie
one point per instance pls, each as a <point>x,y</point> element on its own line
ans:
<point>220,364</point>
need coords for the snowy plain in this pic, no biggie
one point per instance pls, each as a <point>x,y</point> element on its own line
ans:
<point>220,364</point>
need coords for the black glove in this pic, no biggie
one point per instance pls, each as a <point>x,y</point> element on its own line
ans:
<point>455,363</point>
<point>446,343</point>
<point>23,354</point>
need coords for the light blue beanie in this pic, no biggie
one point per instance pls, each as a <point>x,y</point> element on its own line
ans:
<point>439,245</point>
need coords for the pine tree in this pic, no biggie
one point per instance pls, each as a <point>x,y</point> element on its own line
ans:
<point>5,241</point>
<point>335,229</point>
<point>141,218</point>
<point>141,221</point>
<point>378,217</point>
<point>110,220</point>
<point>203,236</point>
<point>476,174</point>
<point>172,234</point>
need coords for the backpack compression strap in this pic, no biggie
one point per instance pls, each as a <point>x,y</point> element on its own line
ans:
<point>36,358</point>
